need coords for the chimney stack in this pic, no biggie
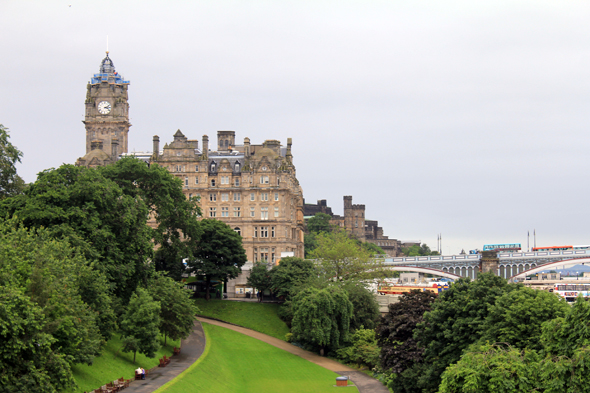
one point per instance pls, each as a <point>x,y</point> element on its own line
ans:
<point>156,152</point>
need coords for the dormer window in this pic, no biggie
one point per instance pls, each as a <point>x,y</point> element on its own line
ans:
<point>212,167</point>
<point>237,167</point>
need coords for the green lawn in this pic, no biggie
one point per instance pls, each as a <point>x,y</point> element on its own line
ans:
<point>261,317</point>
<point>233,362</point>
<point>113,364</point>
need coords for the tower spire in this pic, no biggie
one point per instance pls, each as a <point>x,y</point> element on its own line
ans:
<point>107,45</point>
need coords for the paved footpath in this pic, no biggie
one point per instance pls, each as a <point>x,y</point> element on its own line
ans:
<point>191,349</point>
<point>363,382</point>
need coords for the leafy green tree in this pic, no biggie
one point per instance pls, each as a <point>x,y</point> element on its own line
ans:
<point>260,277</point>
<point>219,253</point>
<point>140,324</point>
<point>372,248</point>
<point>93,213</point>
<point>343,258</point>
<point>416,250</point>
<point>10,183</point>
<point>365,309</point>
<point>53,275</point>
<point>516,317</point>
<point>177,310</point>
<point>562,336</point>
<point>290,274</point>
<point>310,243</point>
<point>495,369</point>
<point>28,363</point>
<point>320,222</point>
<point>491,369</point>
<point>363,349</point>
<point>321,317</point>
<point>456,320</point>
<point>400,353</point>
<point>176,229</point>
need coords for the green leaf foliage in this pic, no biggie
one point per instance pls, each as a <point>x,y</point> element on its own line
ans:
<point>321,317</point>
<point>365,309</point>
<point>10,183</point>
<point>562,336</point>
<point>176,228</point>
<point>495,369</point>
<point>517,316</point>
<point>260,277</point>
<point>395,333</point>
<point>94,214</point>
<point>54,276</point>
<point>343,258</point>
<point>290,274</point>
<point>363,350</point>
<point>140,324</point>
<point>177,309</point>
<point>456,320</point>
<point>320,222</point>
<point>219,253</point>
<point>28,363</point>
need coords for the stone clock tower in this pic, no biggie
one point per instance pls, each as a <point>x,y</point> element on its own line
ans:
<point>106,116</point>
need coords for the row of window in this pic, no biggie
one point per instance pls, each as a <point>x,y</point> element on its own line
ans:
<point>238,212</point>
<point>264,255</point>
<point>238,196</point>
<point>226,180</point>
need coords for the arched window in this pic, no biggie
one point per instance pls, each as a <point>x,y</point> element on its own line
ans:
<point>238,231</point>
<point>237,167</point>
<point>213,167</point>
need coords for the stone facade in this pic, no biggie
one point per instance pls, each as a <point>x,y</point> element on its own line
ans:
<point>355,223</point>
<point>106,116</point>
<point>252,188</point>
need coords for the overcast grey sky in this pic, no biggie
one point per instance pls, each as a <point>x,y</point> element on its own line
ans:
<point>464,118</point>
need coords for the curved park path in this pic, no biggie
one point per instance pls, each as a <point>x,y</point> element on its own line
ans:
<point>363,382</point>
<point>192,349</point>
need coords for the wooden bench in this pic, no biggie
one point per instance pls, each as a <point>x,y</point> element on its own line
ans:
<point>166,360</point>
<point>176,351</point>
<point>124,382</point>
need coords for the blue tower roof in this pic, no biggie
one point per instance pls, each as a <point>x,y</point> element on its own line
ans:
<point>107,73</point>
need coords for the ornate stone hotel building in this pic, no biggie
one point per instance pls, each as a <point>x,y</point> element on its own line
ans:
<point>252,188</point>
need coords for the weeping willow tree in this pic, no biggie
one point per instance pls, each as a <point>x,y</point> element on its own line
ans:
<point>321,317</point>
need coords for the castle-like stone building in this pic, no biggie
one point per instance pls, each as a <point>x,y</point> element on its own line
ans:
<point>355,223</point>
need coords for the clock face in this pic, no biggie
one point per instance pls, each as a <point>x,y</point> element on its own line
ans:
<point>104,107</point>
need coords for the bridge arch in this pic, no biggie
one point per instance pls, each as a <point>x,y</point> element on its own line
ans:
<point>426,270</point>
<point>549,266</point>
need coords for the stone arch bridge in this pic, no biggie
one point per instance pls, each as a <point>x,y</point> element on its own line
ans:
<point>512,265</point>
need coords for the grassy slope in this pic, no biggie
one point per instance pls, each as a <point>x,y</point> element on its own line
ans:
<point>237,363</point>
<point>113,364</point>
<point>261,317</point>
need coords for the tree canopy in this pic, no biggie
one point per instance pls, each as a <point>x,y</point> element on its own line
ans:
<point>140,323</point>
<point>177,228</point>
<point>321,317</point>
<point>344,258</point>
<point>219,253</point>
<point>10,183</point>
<point>94,214</point>
<point>320,222</point>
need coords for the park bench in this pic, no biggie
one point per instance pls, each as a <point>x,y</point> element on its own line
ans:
<point>176,351</point>
<point>166,360</point>
<point>124,382</point>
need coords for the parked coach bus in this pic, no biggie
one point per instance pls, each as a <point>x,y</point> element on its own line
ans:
<point>561,248</point>
<point>508,247</point>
